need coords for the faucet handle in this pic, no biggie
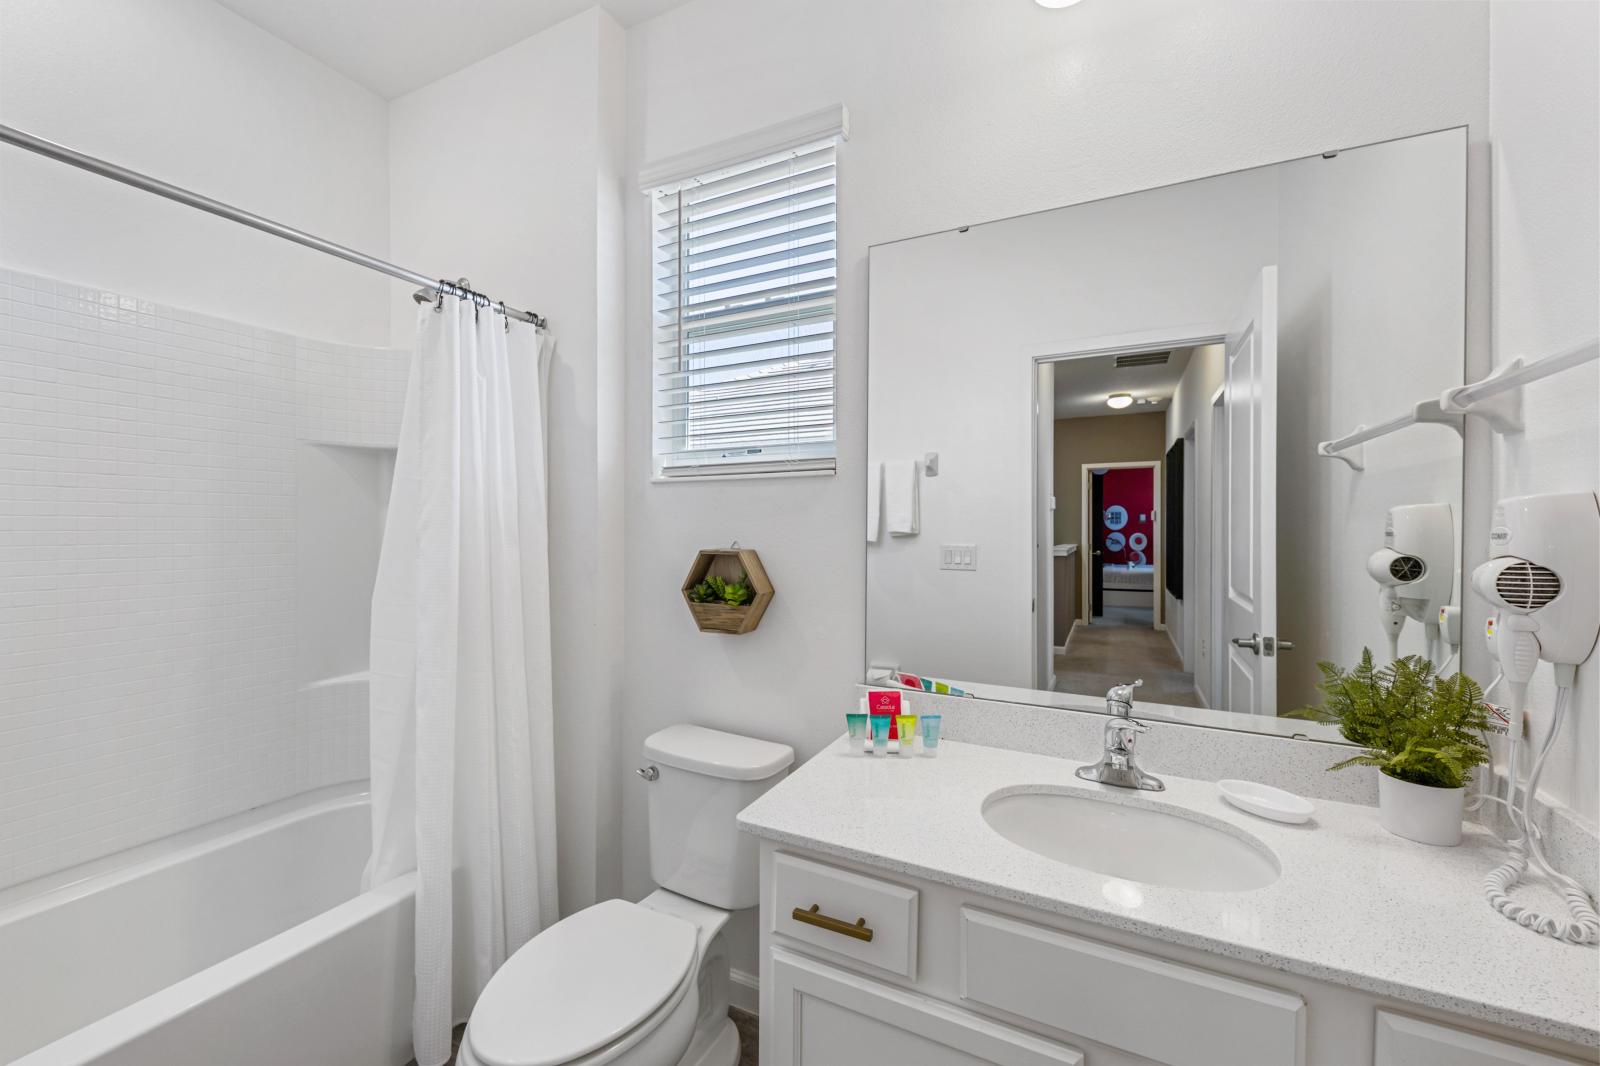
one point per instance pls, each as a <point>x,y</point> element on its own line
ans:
<point>1122,695</point>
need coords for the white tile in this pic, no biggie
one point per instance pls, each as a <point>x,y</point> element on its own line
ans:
<point>147,567</point>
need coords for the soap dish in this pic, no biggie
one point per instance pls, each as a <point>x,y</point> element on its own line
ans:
<point>1266,801</point>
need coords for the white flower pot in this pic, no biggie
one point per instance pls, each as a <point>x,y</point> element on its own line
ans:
<point>1422,813</point>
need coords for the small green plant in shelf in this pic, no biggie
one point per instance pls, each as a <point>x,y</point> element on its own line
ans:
<point>1415,725</point>
<point>717,590</point>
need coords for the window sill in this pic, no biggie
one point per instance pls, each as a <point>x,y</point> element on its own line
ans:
<point>756,475</point>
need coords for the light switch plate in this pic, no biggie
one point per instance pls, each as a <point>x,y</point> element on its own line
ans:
<point>958,557</point>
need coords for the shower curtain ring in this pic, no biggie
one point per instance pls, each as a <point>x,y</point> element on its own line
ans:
<point>463,290</point>
<point>438,303</point>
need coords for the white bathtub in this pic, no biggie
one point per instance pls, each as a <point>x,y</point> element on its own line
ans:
<point>246,942</point>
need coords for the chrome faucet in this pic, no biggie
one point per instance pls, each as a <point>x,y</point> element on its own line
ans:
<point>1116,765</point>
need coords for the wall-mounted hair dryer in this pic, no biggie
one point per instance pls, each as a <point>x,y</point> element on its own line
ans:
<point>1541,582</point>
<point>1415,571</point>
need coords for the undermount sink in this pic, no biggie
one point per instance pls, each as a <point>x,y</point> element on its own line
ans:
<point>1134,843</point>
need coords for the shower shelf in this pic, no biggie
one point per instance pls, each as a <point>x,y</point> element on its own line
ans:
<point>1497,399</point>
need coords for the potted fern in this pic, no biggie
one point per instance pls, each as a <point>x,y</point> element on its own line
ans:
<point>1422,731</point>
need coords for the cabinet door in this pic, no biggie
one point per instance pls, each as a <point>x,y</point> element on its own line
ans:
<point>828,1017</point>
<point>1403,1041</point>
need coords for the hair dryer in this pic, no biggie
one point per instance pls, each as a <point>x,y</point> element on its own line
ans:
<point>1541,582</point>
<point>1415,571</point>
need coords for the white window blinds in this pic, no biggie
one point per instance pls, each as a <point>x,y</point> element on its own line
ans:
<point>744,280</point>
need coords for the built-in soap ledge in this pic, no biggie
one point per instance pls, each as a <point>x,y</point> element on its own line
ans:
<point>360,677</point>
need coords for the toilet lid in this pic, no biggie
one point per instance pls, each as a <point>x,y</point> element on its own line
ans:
<point>581,984</point>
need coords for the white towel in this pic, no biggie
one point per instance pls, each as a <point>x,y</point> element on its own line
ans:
<point>874,500</point>
<point>902,509</point>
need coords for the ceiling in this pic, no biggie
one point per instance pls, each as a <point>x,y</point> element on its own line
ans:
<point>1082,385</point>
<point>394,46</point>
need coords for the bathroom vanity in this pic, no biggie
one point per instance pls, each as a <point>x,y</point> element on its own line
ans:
<point>988,906</point>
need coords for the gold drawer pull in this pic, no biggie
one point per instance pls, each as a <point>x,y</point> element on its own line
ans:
<point>815,917</point>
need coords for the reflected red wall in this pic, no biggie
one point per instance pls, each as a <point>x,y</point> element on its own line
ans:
<point>1135,491</point>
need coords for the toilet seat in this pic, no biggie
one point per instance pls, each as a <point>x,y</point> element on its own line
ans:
<point>583,984</point>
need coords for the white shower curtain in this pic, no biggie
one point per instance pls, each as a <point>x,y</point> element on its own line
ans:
<point>462,735</point>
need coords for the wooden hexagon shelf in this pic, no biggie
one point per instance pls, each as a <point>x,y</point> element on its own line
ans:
<point>730,564</point>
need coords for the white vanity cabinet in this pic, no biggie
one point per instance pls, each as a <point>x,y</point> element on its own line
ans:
<point>866,967</point>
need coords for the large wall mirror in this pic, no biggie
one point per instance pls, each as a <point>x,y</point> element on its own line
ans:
<point>1096,438</point>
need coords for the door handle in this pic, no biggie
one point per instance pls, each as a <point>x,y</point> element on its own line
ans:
<point>1268,646</point>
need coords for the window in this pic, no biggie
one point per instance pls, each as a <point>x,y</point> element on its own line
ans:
<point>744,285</point>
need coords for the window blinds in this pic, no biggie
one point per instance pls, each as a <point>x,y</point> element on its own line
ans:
<point>744,286</point>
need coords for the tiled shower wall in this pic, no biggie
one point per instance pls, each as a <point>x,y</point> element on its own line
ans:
<point>148,568</point>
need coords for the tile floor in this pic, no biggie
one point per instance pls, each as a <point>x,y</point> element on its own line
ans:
<point>748,1025</point>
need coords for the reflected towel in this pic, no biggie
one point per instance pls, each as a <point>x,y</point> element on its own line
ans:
<point>902,509</point>
<point>874,500</point>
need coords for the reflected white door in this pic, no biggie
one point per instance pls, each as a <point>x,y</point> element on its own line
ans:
<point>1250,520</point>
<point>1044,532</point>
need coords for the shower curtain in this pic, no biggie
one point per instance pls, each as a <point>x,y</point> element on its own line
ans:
<point>461,711</point>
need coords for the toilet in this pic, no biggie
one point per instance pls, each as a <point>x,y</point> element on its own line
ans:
<point>644,984</point>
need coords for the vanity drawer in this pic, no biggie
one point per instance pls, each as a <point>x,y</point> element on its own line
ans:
<point>830,1017</point>
<point>1135,1002</point>
<point>1403,1041</point>
<point>858,917</point>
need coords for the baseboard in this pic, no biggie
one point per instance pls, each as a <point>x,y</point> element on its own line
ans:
<point>1067,643</point>
<point>744,991</point>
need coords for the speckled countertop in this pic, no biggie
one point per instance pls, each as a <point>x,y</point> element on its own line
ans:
<point>1354,905</point>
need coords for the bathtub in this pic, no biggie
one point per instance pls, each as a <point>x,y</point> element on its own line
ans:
<point>246,942</point>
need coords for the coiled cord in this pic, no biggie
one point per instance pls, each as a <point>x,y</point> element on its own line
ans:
<point>1583,927</point>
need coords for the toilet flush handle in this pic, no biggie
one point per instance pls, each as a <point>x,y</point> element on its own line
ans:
<point>649,773</point>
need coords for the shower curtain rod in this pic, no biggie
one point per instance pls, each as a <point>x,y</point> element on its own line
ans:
<point>433,289</point>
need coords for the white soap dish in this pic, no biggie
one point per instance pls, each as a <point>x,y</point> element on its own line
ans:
<point>1266,801</point>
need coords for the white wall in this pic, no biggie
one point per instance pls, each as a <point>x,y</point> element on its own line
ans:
<point>509,171</point>
<point>188,92</point>
<point>960,113</point>
<point>1544,103</point>
<point>1190,620</point>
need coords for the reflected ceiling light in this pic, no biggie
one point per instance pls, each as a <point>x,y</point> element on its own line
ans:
<point>1118,400</point>
<point>1055,3</point>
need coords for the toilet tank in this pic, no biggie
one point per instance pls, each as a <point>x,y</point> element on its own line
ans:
<point>703,778</point>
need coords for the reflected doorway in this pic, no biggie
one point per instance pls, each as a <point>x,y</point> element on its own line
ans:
<point>1113,432</point>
